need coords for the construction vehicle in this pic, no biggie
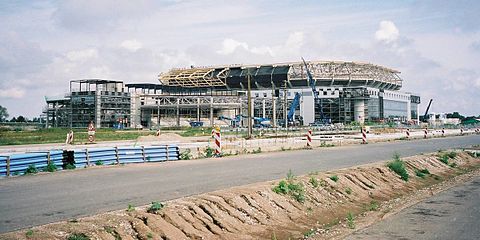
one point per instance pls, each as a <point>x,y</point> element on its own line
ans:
<point>233,122</point>
<point>196,124</point>
<point>425,117</point>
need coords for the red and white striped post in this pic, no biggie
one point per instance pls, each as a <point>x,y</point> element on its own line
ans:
<point>309,138</point>
<point>461,131</point>
<point>218,142</point>
<point>408,133</point>
<point>364,136</point>
<point>443,132</point>
<point>425,132</point>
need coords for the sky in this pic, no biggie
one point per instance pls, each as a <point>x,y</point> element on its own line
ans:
<point>46,43</point>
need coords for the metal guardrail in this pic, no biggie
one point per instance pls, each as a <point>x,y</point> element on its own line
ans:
<point>17,164</point>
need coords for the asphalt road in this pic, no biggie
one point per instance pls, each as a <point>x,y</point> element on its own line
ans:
<point>34,200</point>
<point>453,214</point>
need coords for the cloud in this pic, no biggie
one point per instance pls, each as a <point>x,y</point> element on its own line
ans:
<point>387,32</point>
<point>131,45</point>
<point>230,45</point>
<point>12,93</point>
<point>82,55</point>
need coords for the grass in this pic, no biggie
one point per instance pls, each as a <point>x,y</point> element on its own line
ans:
<point>31,169</point>
<point>51,167</point>
<point>70,166</point>
<point>289,187</point>
<point>186,155</point>
<point>255,151</point>
<point>314,182</point>
<point>112,231</point>
<point>58,135</point>
<point>334,178</point>
<point>350,220</point>
<point>444,157</point>
<point>29,233</point>
<point>130,208</point>
<point>209,152</point>
<point>348,190</point>
<point>99,163</point>
<point>309,233</point>
<point>193,132</point>
<point>78,236</point>
<point>421,173</point>
<point>155,207</point>
<point>398,166</point>
<point>324,144</point>
<point>373,206</point>
<point>149,235</point>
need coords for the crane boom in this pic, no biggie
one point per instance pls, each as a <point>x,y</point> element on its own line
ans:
<point>426,111</point>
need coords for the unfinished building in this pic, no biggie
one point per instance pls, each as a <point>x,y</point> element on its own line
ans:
<point>342,92</point>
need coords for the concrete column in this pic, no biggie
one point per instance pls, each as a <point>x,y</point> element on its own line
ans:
<point>263,108</point>
<point>359,111</point>
<point>211,111</point>
<point>409,112</point>
<point>198,109</point>
<point>178,112</point>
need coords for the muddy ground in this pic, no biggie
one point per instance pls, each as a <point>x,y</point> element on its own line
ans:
<point>315,205</point>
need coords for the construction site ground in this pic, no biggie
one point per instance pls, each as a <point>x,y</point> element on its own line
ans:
<point>333,204</point>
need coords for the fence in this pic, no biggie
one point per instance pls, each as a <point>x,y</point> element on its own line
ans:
<point>17,164</point>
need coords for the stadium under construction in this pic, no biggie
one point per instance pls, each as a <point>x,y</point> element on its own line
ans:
<point>295,93</point>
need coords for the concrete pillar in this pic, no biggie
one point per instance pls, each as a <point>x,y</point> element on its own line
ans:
<point>359,111</point>
<point>211,111</point>
<point>198,109</point>
<point>263,108</point>
<point>178,112</point>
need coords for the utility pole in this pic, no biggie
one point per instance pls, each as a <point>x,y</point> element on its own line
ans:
<point>249,96</point>
<point>274,117</point>
<point>285,104</point>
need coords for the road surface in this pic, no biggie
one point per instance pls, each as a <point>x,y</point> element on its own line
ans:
<point>453,214</point>
<point>34,200</point>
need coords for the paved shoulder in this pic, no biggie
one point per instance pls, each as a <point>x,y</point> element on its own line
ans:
<point>453,214</point>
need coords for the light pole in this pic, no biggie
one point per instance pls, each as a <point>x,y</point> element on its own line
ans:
<point>249,96</point>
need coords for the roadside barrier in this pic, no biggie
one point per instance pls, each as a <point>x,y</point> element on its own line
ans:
<point>218,141</point>
<point>17,164</point>
<point>364,136</point>
<point>309,138</point>
<point>408,132</point>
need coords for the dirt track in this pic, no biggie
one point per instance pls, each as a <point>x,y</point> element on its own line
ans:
<point>255,211</point>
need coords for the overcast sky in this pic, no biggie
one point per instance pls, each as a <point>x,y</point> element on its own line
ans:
<point>45,44</point>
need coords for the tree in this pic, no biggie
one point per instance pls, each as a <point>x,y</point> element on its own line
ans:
<point>3,113</point>
<point>21,119</point>
<point>14,119</point>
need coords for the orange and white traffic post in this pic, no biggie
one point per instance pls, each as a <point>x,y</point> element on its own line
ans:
<point>69,139</point>
<point>364,135</point>
<point>408,133</point>
<point>425,133</point>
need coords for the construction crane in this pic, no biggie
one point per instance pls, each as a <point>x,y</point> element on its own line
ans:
<point>311,83</point>
<point>425,116</point>
<point>293,106</point>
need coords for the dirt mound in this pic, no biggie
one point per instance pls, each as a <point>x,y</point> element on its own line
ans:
<point>162,137</point>
<point>269,210</point>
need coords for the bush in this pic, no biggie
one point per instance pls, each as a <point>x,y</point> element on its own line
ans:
<point>452,155</point>
<point>443,158</point>
<point>186,155</point>
<point>290,176</point>
<point>289,187</point>
<point>281,188</point>
<point>29,233</point>
<point>398,166</point>
<point>70,166</point>
<point>421,173</point>
<point>255,151</point>
<point>51,167</point>
<point>99,163</point>
<point>31,169</point>
<point>155,207</point>
<point>334,178</point>
<point>78,236</point>
<point>209,152</point>
<point>348,190</point>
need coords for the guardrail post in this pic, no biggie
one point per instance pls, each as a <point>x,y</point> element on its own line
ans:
<point>87,156</point>
<point>143,154</point>
<point>116,155</point>
<point>48,157</point>
<point>8,166</point>
<point>167,151</point>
